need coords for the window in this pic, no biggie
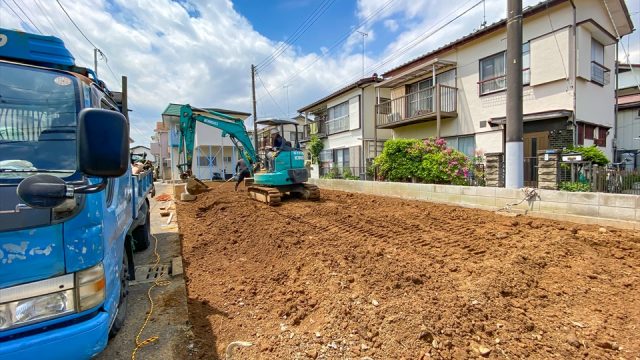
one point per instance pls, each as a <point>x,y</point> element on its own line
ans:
<point>326,156</point>
<point>204,160</point>
<point>420,95</point>
<point>493,71</point>
<point>338,118</point>
<point>464,144</point>
<point>526,64</point>
<point>341,158</point>
<point>599,73</point>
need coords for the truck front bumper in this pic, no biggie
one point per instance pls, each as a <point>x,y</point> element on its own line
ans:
<point>81,340</point>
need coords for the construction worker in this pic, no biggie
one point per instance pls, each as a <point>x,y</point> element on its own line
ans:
<point>242,171</point>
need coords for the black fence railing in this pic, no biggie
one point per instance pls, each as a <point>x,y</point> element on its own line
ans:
<point>346,172</point>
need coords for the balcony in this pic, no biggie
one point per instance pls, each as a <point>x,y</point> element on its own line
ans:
<point>318,128</point>
<point>417,107</point>
<point>600,74</point>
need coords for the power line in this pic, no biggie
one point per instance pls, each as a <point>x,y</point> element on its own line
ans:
<point>76,25</point>
<point>269,93</point>
<point>277,53</point>
<point>298,29</point>
<point>413,43</point>
<point>337,43</point>
<point>13,11</point>
<point>48,18</point>
<point>25,14</point>
<point>342,40</point>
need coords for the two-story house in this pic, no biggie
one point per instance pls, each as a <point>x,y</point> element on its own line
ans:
<point>628,124</point>
<point>160,150</point>
<point>214,156</point>
<point>345,122</point>
<point>458,91</point>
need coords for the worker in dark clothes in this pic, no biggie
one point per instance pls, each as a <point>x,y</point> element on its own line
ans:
<point>278,141</point>
<point>242,171</point>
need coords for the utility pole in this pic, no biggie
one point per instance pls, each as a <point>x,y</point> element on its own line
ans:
<point>364,35</point>
<point>255,115</point>
<point>514,162</point>
<point>95,60</point>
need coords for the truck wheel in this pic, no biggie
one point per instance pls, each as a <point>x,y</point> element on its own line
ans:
<point>118,323</point>
<point>142,235</point>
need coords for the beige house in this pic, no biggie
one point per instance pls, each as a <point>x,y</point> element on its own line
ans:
<point>213,156</point>
<point>345,122</point>
<point>458,91</point>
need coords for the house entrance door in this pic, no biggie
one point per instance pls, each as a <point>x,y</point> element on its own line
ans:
<point>533,142</point>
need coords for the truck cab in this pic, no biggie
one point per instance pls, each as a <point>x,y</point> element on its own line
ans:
<point>69,205</point>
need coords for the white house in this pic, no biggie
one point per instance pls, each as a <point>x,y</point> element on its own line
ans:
<point>345,122</point>
<point>628,122</point>
<point>214,156</point>
<point>458,91</point>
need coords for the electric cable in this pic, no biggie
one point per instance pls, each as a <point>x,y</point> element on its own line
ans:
<point>25,14</point>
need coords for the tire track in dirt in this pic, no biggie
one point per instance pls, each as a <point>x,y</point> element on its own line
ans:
<point>300,280</point>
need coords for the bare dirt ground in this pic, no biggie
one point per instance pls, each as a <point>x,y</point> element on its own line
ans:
<point>364,277</point>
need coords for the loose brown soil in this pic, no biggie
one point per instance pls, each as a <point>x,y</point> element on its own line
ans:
<point>356,276</point>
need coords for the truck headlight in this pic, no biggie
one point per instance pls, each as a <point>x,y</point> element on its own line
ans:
<point>90,286</point>
<point>39,308</point>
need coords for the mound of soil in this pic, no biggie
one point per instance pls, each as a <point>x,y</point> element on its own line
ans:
<point>364,277</point>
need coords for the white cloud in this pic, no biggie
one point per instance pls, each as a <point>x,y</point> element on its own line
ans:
<point>391,24</point>
<point>170,56</point>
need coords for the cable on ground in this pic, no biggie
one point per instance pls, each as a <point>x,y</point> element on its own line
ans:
<point>529,194</point>
<point>157,282</point>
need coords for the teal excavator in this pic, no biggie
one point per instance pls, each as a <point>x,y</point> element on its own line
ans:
<point>280,174</point>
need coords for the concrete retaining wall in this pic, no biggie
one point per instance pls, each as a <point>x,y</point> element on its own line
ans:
<point>622,211</point>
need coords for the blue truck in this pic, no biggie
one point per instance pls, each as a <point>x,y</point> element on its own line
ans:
<point>71,211</point>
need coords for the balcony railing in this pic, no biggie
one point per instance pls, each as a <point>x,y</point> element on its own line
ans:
<point>499,83</point>
<point>338,124</point>
<point>318,128</point>
<point>600,74</point>
<point>418,106</point>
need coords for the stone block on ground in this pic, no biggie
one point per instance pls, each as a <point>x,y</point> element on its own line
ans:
<point>187,197</point>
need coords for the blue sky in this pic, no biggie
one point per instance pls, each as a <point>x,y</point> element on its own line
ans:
<point>200,51</point>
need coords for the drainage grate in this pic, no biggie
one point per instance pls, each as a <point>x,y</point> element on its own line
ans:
<point>151,273</point>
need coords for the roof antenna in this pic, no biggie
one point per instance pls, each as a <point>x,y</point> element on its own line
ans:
<point>484,14</point>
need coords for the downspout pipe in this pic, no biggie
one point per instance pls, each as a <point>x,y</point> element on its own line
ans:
<point>614,146</point>
<point>574,73</point>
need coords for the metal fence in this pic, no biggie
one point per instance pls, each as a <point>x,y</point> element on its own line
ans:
<point>615,181</point>
<point>346,173</point>
<point>609,179</point>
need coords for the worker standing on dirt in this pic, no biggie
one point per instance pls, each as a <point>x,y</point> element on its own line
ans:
<point>242,171</point>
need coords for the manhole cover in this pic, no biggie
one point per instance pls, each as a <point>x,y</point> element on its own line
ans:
<point>151,273</point>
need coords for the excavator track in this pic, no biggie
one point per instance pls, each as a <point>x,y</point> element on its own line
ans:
<point>268,195</point>
<point>311,192</point>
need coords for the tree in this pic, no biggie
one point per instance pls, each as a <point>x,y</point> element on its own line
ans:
<point>315,147</point>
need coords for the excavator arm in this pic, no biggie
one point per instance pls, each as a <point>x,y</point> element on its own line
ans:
<point>230,126</point>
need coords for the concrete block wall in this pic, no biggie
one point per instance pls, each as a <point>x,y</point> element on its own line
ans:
<point>621,211</point>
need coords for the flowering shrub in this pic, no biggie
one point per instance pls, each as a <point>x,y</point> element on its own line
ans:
<point>429,161</point>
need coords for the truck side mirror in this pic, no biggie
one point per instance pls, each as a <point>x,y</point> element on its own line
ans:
<point>103,143</point>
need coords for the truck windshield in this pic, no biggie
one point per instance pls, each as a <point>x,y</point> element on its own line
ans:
<point>38,111</point>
